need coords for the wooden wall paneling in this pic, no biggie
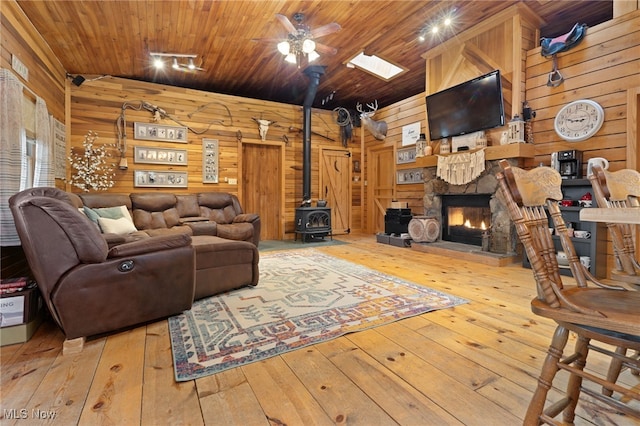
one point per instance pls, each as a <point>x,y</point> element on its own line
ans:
<point>46,79</point>
<point>400,114</point>
<point>497,43</point>
<point>97,104</point>
<point>621,7</point>
<point>633,130</point>
<point>602,67</point>
<point>46,74</point>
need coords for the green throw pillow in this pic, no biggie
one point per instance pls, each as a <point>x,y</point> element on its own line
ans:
<point>107,212</point>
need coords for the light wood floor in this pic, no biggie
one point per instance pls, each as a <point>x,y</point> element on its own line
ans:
<point>475,364</point>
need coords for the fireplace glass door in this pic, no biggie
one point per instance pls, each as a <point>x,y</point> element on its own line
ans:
<point>466,218</point>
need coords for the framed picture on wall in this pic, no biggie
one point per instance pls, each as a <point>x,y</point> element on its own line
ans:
<point>406,155</point>
<point>149,155</point>
<point>159,179</point>
<point>210,160</point>
<point>408,176</point>
<point>159,132</point>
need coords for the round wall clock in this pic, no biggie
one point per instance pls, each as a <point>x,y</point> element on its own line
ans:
<point>579,120</point>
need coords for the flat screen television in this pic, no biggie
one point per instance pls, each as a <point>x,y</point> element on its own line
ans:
<point>469,107</point>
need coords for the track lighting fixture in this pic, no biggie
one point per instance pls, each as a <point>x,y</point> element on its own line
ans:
<point>438,25</point>
<point>176,61</point>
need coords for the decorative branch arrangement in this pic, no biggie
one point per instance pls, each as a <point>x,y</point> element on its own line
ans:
<point>93,170</point>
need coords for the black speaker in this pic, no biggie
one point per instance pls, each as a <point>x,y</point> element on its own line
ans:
<point>78,80</point>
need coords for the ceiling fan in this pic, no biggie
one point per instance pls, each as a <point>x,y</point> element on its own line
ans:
<point>300,42</point>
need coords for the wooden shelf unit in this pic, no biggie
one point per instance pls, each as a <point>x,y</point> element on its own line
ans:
<point>594,247</point>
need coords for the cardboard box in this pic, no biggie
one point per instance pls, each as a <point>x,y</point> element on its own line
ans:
<point>20,333</point>
<point>20,307</point>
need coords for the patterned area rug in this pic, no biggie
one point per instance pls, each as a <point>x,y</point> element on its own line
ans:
<point>303,297</point>
<point>270,245</point>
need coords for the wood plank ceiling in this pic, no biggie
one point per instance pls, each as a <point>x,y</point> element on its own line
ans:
<point>94,38</point>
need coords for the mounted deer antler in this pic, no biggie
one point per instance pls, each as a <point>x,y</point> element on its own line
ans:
<point>377,128</point>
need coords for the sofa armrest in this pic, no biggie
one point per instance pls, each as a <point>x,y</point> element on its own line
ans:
<point>246,217</point>
<point>204,228</point>
<point>148,245</point>
<point>114,239</point>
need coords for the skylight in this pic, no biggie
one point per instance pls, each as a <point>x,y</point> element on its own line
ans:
<point>375,65</point>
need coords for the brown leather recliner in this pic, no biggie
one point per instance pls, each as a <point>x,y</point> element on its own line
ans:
<point>89,288</point>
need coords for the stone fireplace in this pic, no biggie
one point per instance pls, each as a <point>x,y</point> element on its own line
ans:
<point>499,229</point>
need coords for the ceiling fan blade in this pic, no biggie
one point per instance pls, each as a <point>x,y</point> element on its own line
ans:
<point>267,40</point>
<point>325,30</point>
<point>323,48</point>
<point>286,23</point>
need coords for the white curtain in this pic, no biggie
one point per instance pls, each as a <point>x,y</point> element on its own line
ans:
<point>12,141</point>
<point>43,174</point>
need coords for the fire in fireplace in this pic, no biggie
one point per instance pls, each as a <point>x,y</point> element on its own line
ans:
<point>466,218</point>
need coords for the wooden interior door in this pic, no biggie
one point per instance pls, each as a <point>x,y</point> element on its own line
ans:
<point>381,171</point>
<point>262,188</point>
<point>335,187</point>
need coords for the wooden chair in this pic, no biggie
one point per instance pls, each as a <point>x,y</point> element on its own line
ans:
<point>599,315</point>
<point>615,190</point>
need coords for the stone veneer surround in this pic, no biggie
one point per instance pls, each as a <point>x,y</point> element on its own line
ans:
<point>503,238</point>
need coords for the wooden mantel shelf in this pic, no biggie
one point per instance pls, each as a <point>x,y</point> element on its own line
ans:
<point>498,152</point>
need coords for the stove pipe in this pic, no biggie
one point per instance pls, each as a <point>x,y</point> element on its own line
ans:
<point>313,72</point>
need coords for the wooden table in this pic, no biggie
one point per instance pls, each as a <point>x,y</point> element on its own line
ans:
<point>629,215</point>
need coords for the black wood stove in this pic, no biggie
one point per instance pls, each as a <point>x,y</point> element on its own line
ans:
<point>314,222</point>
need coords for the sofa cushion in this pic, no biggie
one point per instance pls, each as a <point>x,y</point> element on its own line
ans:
<point>217,206</point>
<point>153,201</point>
<point>187,205</point>
<point>120,226</point>
<point>105,200</point>
<point>154,210</point>
<point>108,212</point>
<point>180,229</point>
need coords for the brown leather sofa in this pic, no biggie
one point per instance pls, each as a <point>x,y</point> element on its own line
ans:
<point>94,282</point>
<point>157,213</point>
<point>224,237</point>
<point>89,288</point>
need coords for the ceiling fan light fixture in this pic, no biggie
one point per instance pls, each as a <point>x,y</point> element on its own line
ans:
<point>284,47</point>
<point>313,55</point>
<point>191,65</point>
<point>291,58</point>
<point>175,64</point>
<point>308,45</point>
